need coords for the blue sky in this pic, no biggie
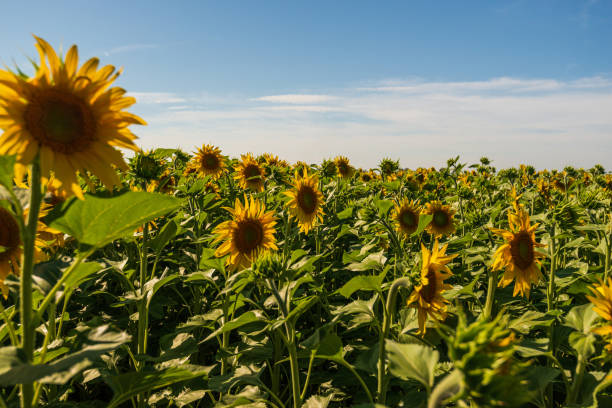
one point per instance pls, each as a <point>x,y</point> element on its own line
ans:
<point>518,81</point>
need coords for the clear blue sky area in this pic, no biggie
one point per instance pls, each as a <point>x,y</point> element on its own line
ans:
<point>220,67</point>
<point>250,46</point>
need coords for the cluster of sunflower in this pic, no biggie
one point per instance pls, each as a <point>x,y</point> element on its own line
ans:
<point>64,127</point>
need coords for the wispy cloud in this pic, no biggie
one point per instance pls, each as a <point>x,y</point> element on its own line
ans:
<point>545,122</point>
<point>157,97</point>
<point>128,48</point>
<point>296,98</point>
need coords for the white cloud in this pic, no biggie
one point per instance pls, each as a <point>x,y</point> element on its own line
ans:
<point>296,98</point>
<point>128,48</point>
<point>544,122</point>
<point>157,97</point>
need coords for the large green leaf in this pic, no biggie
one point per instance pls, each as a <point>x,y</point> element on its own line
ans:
<point>412,361</point>
<point>14,370</point>
<point>362,282</point>
<point>128,385</point>
<point>96,221</point>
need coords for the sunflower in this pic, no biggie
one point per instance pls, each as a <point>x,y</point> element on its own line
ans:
<point>427,297</point>
<point>518,255</point>
<point>249,173</point>
<point>247,235</point>
<point>406,216</point>
<point>344,168</point>
<point>442,221</point>
<point>602,302</point>
<point>306,201</point>
<point>209,162</point>
<point>70,118</point>
<point>11,248</point>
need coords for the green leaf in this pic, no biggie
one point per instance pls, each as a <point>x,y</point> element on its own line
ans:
<point>128,385</point>
<point>317,401</point>
<point>97,221</point>
<point>7,164</point>
<point>362,282</point>
<point>424,220</point>
<point>345,214</point>
<point>450,386</point>
<point>14,370</point>
<point>80,274</point>
<point>527,321</point>
<point>383,206</point>
<point>581,318</point>
<point>412,361</point>
<point>245,318</point>
<point>372,261</point>
<point>164,236</point>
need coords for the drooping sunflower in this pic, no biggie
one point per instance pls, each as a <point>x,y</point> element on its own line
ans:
<point>442,221</point>
<point>208,161</point>
<point>427,296</point>
<point>249,173</point>
<point>69,117</point>
<point>212,188</point>
<point>518,256</point>
<point>306,201</point>
<point>249,233</point>
<point>602,302</point>
<point>11,248</point>
<point>344,167</point>
<point>406,216</point>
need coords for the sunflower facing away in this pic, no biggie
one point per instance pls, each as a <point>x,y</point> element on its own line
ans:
<point>247,235</point>
<point>442,221</point>
<point>344,168</point>
<point>11,248</point>
<point>306,201</point>
<point>427,297</point>
<point>69,117</point>
<point>208,161</point>
<point>406,216</point>
<point>518,255</point>
<point>249,173</point>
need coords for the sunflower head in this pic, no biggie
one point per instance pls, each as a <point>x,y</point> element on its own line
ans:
<point>427,296</point>
<point>345,170</point>
<point>10,247</point>
<point>146,166</point>
<point>329,168</point>
<point>442,218</point>
<point>208,161</point>
<point>248,234</point>
<point>305,201</point>
<point>69,117</point>
<point>518,255</point>
<point>602,304</point>
<point>249,173</point>
<point>406,216</point>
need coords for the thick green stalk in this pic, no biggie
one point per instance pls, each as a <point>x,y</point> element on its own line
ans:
<point>387,320</point>
<point>486,314</point>
<point>575,389</point>
<point>295,370</point>
<point>143,318</point>
<point>551,278</point>
<point>28,238</point>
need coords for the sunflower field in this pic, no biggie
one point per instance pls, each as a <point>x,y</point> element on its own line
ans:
<point>202,280</point>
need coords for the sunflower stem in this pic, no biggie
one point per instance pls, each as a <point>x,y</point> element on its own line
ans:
<point>28,239</point>
<point>486,315</point>
<point>387,321</point>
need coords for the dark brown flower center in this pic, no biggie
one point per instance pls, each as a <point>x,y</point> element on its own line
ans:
<point>248,236</point>
<point>429,291</point>
<point>366,177</point>
<point>9,234</point>
<point>344,169</point>
<point>440,218</point>
<point>521,248</point>
<point>61,121</point>
<point>307,199</point>
<point>251,171</point>
<point>210,161</point>
<point>408,218</point>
